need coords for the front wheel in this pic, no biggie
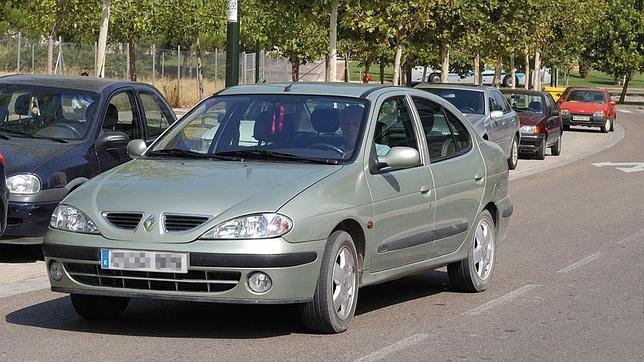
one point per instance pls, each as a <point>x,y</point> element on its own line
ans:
<point>513,161</point>
<point>473,274</point>
<point>556,149</point>
<point>607,126</point>
<point>541,151</point>
<point>612,124</point>
<point>336,293</point>
<point>94,307</point>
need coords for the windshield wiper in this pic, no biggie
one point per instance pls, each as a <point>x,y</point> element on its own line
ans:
<point>29,135</point>
<point>187,154</point>
<point>272,155</point>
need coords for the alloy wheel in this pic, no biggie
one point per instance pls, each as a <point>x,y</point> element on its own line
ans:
<point>344,282</point>
<point>483,249</point>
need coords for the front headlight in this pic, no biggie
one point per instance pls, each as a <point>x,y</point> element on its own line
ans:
<point>531,129</point>
<point>565,112</point>
<point>71,219</point>
<point>258,226</point>
<point>599,114</point>
<point>24,184</point>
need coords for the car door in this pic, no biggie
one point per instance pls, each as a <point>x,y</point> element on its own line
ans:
<point>119,114</point>
<point>507,125</point>
<point>553,124</point>
<point>459,176</point>
<point>156,116</point>
<point>495,132</point>
<point>403,198</point>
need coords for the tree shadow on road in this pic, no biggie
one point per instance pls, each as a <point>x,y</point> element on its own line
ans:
<point>176,319</point>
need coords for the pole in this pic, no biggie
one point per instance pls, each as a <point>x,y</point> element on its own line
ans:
<point>232,44</point>
<point>257,63</point>
<point>162,64</point>
<point>382,72</point>
<point>19,46</point>
<point>216,66</point>
<point>95,56</point>
<point>244,67</point>
<point>154,63</point>
<point>33,58</point>
<point>127,62</point>
<point>178,70</point>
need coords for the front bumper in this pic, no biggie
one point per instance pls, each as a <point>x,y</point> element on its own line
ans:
<point>218,270</point>
<point>28,220</point>
<point>530,143</point>
<point>594,121</point>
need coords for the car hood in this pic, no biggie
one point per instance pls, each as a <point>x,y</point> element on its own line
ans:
<point>529,118</point>
<point>583,107</point>
<point>24,155</point>
<point>219,190</point>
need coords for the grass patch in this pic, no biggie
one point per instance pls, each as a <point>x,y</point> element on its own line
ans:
<point>603,80</point>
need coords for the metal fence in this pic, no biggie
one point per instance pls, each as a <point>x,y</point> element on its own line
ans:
<point>153,65</point>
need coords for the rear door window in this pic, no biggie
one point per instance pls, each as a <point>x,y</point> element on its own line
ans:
<point>157,117</point>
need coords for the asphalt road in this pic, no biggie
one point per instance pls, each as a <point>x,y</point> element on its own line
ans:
<point>567,286</point>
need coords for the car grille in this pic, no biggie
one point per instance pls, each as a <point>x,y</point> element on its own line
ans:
<point>174,223</point>
<point>196,281</point>
<point>124,220</point>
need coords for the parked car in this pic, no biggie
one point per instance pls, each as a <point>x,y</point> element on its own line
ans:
<point>489,112</point>
<point>419,75</point>
<point>541,125</point>
<point>4,195</point>
<point>333,190</point>
<point>588,107</point>
<point>58,132</point>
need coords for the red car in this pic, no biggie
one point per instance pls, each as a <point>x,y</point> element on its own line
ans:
<point>589,107</point>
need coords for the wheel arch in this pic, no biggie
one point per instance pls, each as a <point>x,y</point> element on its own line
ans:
<point>494,211</point>
<point>354,229</point>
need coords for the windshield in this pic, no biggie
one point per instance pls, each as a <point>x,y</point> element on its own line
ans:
<point>39,112</point>
<point>466,101</point>
<point>585,96</point>
<point>525,102</point>
<point>276,127</point>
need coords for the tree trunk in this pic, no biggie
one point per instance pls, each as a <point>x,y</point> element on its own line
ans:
<point>102,39</point>
<point>398,57</point>
<point>477,68</point>
<point>537,70</point>
<point>50,53</point>
<point>497,72</point>
<point>625,88</point>
<point>513,72</point>
<point>333,39</point>
<point>424,78</point>
<point>131,48</point>
<point>367,73</point>
<point>199,68</point>
<point>445,50</point>
<point>295,68</point>
<point>526,68</point>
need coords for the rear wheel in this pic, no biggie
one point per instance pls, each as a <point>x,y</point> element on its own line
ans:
<point>94,307</point>
<point>434,78</point>
<point>514,154</point>
<point>336,293</point>
<point>556,148</point>
<point>473,274</point>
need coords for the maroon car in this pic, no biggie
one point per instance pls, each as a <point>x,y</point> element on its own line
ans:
<point>541,123</point>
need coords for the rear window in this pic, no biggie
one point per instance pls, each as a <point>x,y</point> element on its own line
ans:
<point>467,101</point>
<point>586,96</point>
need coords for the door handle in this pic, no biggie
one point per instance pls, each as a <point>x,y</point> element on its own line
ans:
<point>478,177</point>
<point>425,189</point>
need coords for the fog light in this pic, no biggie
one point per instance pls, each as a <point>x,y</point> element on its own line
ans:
<point>56,271</point>
<point>259,282</point>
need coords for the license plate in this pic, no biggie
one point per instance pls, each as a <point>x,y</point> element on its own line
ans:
<point>150,261</point>
<point>581,118</point>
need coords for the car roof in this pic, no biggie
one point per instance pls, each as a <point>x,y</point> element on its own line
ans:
<point>88,84</point>
<point>586,89</point>
<point>355,90</point>
<point>472,87</point>
<point>523,91</point>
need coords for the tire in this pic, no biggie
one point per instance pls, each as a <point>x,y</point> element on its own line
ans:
<point>607,126</point>
<point>323,314</point>
<point>507,81</point>
<point>95,307</point>
<point>555,150</point>
<point>541,152</point>
<point>434,78</point>
<point>612,124</point>
<point>514,154</point>
<point>566,127</point>
<point>470,274</point>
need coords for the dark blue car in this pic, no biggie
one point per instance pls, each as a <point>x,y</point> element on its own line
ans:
<point>57,132</point>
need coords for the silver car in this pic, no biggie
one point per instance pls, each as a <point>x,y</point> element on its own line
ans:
<point>296,193</point>
<point>488,111</point>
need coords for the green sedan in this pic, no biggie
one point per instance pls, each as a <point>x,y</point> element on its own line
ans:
<point>278,193</point>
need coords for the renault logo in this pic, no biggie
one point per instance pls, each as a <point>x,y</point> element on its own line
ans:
<point>149,223</point>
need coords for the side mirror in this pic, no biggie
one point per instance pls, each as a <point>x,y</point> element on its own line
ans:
<point>111,139</point>
<point>612,103</point>
<point>554,112</point>
<point>496,114</point>
<point>136,148</point>
<point>399,157</point>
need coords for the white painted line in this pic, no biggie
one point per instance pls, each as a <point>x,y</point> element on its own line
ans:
<point>624,111</point>
<point>583,261</point>
<point>501,300</point>
<point>389,350</point>
<point>630,238</point>
<point>24,286</point>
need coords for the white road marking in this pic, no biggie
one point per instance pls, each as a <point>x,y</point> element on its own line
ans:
<point>24,286</point>
<point>627,167</point>
<point>624,111</point>
<point>630,238</point>
<point>389,350</point>
<point>501,300</point>
<point>583,261</point>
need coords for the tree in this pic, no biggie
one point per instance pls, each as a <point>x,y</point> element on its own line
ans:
<point>129,20</point>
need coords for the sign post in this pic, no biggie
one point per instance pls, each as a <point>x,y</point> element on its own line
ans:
<point>232,44</point>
